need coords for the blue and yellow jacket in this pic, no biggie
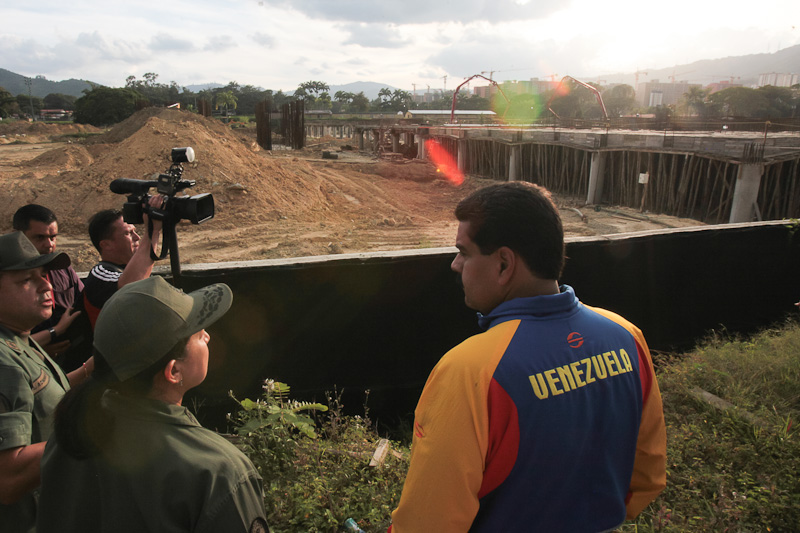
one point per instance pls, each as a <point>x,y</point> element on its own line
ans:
<point>551,420</point>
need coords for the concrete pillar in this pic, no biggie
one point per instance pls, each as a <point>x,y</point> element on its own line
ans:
<point>376,140</point>
<point>514,164</point>
<point>462,155</point>
<point>597,174</point>
<point>360,134</point>
<point>395,142</point>
<point>745,194</point>
<point>420,141</point>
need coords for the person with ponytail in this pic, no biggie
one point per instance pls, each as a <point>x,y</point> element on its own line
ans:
<point>125,454</point>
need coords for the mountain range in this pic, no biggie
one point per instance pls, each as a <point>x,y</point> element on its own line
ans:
<point>741,70</point>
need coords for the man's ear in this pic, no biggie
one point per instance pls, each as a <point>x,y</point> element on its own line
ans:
<point>507,263</point>
<point>172,372</point>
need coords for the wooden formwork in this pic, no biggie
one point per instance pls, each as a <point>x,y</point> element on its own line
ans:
<point>685,184</point>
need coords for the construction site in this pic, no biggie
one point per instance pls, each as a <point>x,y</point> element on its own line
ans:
<point>338,251</point>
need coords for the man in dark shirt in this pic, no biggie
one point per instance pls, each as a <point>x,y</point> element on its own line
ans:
<point>125,256</point>
<point>40,226</point>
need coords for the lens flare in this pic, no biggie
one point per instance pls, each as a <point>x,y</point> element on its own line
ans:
<point>444,162</point>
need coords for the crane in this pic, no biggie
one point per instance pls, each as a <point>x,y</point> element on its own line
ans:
<point>672,78</point>
<point>557,92</point>
<point>492,72</point>
<point>636,78</point>
<point>732,78</point>
<point>455,93</point>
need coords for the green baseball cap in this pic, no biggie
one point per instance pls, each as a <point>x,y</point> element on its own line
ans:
<point>17,252</point>
<point>145,319</point>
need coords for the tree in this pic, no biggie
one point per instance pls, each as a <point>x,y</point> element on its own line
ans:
<point>8,104</point>
<point>226,100</point>
<point>619,100</point>
<point>342,101</point>
<point>25,101</point>
<point>576,102</point>
<point>309,91</point>
<point>103,106</point>
<point>158,94</point>
<point>360,103</point>
<point>740,102</point>
<point>59,101</point>
<point>781,101</point>
<point>695,102</point>
<point>247,97</point>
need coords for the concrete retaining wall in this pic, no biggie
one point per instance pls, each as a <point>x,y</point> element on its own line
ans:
<point>380,321</point>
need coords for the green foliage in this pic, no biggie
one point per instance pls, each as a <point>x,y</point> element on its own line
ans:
<point>59,101</point>
<point>727,470</point>
<point>316,472</point>
<point>103,106</point>
<point>619,100</point>
<point>8,104</point>
<point>158,94</point>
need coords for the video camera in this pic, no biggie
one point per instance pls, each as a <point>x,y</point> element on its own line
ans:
<point>196,209</point>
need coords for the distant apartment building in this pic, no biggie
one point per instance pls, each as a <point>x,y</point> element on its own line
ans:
<point>424,98</point>
<point>778,79</point>
<point>721,86</point>
<point>656,94</point>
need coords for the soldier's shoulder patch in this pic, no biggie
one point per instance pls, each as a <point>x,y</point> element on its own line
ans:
<point>13,345</point>
<point>40,383</point>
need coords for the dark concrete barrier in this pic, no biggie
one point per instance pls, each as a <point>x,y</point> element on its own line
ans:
<point>380,321</point>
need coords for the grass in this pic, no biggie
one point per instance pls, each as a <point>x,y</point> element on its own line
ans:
<point>733,470</point>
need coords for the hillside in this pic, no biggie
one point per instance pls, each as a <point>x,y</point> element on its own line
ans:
<point>744,69</point>
<point>40,86</point>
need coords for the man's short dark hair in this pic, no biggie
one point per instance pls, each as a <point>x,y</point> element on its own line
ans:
<point>521,216</point>
<point>101,225</point>
<point>27,213</point>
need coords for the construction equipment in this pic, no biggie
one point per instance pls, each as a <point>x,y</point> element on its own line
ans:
<point>557,92</point>
<point>467,80</point>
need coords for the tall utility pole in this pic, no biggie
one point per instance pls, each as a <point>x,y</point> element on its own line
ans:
<point>28,82</point>
<point>445,85</point>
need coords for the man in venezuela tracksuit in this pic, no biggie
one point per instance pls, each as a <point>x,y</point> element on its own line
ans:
<point>551,420</point>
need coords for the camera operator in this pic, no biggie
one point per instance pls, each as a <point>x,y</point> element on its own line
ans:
<point>124,255</point>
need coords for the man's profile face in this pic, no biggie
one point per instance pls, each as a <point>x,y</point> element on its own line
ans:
<point>42,235</point>
<point>122,244</point>
<point>27,298</point>
<point>478,272</point>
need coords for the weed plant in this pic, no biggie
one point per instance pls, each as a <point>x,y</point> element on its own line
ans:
<point>316,469</point>
<point>732,470</point>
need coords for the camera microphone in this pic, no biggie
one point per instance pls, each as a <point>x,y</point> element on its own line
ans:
<point>131,186</point>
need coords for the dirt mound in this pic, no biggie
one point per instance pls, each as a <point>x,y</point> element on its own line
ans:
<point>68,158</point>
<point>268,204</point>
<point>251,187</point>
<point>34,132</point>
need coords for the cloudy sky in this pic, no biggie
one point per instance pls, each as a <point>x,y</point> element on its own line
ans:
<point>278,44</point>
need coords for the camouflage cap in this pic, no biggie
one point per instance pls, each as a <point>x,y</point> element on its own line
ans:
<point>19,253</point>
<point>145,319</point>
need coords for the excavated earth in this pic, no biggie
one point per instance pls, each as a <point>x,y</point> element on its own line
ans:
<point>278,204</point>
